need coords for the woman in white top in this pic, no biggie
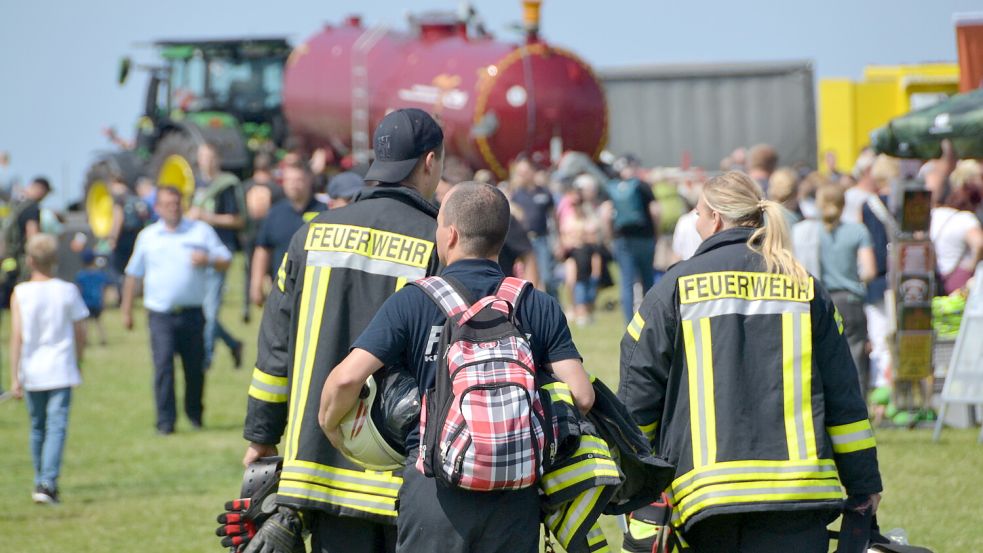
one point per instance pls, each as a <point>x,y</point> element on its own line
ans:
<point>46,341</point>
<point>957,236</point>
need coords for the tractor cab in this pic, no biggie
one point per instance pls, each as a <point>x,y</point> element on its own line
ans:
<point>216,82</point>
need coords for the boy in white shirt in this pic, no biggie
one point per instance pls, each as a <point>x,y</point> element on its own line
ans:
<point>46,342</point>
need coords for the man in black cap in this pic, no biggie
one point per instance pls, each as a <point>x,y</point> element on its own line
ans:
<point>338,270</point>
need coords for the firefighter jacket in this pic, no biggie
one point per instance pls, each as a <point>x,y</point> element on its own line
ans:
<point>337,272</point>
<point>610,470</point>
<point>742,379</point>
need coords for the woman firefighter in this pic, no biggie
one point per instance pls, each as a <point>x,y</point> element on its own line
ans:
<point>736,369</point>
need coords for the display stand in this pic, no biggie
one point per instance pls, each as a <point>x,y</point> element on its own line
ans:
<point>964,379</point>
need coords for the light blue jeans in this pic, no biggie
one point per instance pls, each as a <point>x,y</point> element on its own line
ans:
<point>634,257</point>
<point>48,410</point>
<point>214,286</point>
<point>545,263</point>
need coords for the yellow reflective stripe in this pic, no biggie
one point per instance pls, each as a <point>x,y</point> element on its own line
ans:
<point>575,518</point>
<point>710,409</point>
<point>635,326</point>
<point>316,280</point>
<point>702,412</point>
<point>808,428</point>
<point>268,397</point>
<point>559,391</point>
<point>596,542</point>
<point>855,436</point>
<point>599,464</point>
<point>732,471</point>
<point>689,344</point>
<point>789,386</point>
<point>281,274</point>
<point>797,385</point>
<point>322,494</point>
<point>381,484</point>
<point>756,492</point>
<point>400,282</point>
<point>266,378</point>
<point>650,431</point>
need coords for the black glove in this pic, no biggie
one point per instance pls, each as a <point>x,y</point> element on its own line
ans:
<point>281,533</point>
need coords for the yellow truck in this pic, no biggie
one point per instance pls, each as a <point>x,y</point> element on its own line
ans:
<point>850,110</point>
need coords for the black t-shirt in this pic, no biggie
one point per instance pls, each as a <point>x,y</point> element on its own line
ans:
<point>406,330</point>
<point>583,256</point>
<point>516,245</point>
<point>30,212</point>
<point>536,204</point>
<point>279,227</point>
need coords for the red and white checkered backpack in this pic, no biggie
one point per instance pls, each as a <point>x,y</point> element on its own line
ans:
<point>482,424</point>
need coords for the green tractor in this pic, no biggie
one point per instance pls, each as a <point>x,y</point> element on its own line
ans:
<point>225,92</point>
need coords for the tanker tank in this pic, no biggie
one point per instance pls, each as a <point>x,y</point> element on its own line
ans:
<point>493,99</point>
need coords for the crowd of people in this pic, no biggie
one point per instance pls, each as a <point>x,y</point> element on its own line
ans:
<point>571,228</point>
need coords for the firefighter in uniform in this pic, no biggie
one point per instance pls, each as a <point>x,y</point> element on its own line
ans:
<point>338,270</point>
<point>736,369</point>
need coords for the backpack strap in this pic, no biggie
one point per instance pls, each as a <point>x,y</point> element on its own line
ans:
<point>511,289</point>
<point>505,299</point>
<point>444,295</point>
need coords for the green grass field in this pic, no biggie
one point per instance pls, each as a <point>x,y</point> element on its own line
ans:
<point>126,489</point>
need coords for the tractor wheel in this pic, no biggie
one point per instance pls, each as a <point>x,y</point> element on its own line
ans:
<point>98,197</point>
<point>174,164</point>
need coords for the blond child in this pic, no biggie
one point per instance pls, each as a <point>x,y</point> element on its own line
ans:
<point>46,344</point>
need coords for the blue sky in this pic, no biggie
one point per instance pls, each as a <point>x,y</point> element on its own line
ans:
<point>58,59</point>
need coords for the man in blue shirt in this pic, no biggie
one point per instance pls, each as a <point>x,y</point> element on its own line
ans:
<point>280,224</point>
<point>471,227</point>
<point>172,256</point>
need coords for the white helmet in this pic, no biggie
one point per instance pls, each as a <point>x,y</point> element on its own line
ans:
<point>362,439</point>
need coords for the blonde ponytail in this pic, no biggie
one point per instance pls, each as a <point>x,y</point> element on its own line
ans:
<point>738,200</point>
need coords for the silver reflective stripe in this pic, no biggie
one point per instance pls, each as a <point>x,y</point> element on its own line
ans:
<point>584,504</point>
<point>763,492</point>
<point>737,306</point>
<point>725,471</point>
<point>797,383</point>
<point>337,499</point>
<point>554,484</point>
<point>701,407</point>
<point>852,437</point>
<point>298,379</point>
<point>358,262</point>
<point>336,477</point>
<point>260,385</point>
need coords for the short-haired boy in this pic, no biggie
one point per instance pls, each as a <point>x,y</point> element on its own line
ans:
<point>46,343</point>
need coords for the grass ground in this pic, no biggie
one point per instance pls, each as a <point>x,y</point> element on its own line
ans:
<point>125,488</point>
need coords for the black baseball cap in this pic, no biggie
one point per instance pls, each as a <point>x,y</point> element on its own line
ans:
<point>400,140</point>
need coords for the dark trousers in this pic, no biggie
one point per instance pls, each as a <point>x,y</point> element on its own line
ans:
<point>851,308</point>
<point>334,534</point>
<point>769,532</point>
<point>180,333</point>
<point>433,517</point>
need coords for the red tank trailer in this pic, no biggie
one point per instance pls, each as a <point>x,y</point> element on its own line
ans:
<point>494,100</point>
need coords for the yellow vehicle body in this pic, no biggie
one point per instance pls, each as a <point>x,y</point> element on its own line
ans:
<point>850,110</point>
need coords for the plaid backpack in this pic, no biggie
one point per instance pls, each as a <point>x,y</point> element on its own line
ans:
<point>482,424</point>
